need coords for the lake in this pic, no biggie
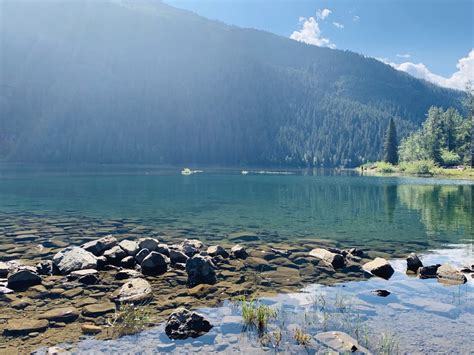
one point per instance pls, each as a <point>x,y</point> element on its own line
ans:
<point>66,205</point>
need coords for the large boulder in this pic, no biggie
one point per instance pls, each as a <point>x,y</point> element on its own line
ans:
<point>449,275</point>
<point>22,279</point>
<point>97,247</point>
<point>135,290</point>
<point>183,324</point>
<point>217,250</point>
<point>341,342</point>
<point>74,258</point>
<point>200,270</point>
<point>130,247</point>
<point>328,257</point>
<point>413,263</point>
<point>115,254</point>
<point>379,267</point>
<point>155,263</point>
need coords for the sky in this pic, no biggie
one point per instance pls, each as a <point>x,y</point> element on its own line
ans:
<point>430,39</point>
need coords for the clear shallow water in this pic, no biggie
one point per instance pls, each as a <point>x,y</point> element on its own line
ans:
<point>322,204</point>
<point>419,316</point>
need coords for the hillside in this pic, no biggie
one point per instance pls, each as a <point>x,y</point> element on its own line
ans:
<point>143,82</point>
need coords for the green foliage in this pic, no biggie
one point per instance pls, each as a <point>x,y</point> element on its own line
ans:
<point>420,167</point>
<point>384,167</point>
<point>444,138</point>
<point>204,93</point>
<point>391,144</point>
<point>450,158</point>
<point>130,319</point>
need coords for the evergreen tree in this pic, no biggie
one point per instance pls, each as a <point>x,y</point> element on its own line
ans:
<point>391,144</point>
<point>469,106</point>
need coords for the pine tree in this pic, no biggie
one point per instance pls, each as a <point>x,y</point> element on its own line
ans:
<point>391,144</point>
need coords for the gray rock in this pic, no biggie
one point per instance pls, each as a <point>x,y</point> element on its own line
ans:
<point>114,255</point>
<point>74,258</point>
<point>3,269</point>
<point>155,263</point>
<point>163,249</point>
<point>428,272</point>
<point>130,247</point>
<point>86,276</point>
<point>449,275</point>
<point>135,290</point>
<point>217,250</point>
<point>191,247</point>
<point>98,309</point>
<point>148,243</point>
<point>142,254</point>
<point>178,257</point>
<point>183,324</point>
<point>97,247</point>
<point>45,267</point>
<point>328,257</point>
<point>127,274</point>
<point>101,262</point>
<point>379,267</point>
<point>239,252</point>
<point>341,342</point>
<point>200,270</point>
<point>413,263</point>
<point>23,279</point>
<point>127,262</point>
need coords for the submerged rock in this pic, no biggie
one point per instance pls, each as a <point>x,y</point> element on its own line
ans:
<point>239,252</point>
<point>74,258</point>
<point>448,274</point>
<point>97,247</point>
<point>379,267</point>
<point>333,259</point>
<point>135,290</point>
<point>200,270</point>
<point>428,272</point>
<point>341,342</point>
<point>183,324</point>
<point>413,263</point>
<point>61,314</point>
<point>25,326</point>
<point>23,279</point>
<point>381,293</point>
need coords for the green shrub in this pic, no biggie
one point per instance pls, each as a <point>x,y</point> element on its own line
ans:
<point>420,167</point>
<point>385,168</point>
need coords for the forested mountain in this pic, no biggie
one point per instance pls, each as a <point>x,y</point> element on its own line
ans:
<point>143,82</point>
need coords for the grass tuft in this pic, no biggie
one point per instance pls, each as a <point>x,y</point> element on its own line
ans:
<point>129,319</point>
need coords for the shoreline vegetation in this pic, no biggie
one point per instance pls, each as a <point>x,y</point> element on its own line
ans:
<point>422,168</point>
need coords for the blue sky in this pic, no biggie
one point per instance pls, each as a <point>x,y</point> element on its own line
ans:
<point>432,39</point>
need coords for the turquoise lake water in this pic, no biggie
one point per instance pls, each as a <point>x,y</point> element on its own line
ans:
<point>320,204</point>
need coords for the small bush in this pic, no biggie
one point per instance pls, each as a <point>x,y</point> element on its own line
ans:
<point>301,337</point>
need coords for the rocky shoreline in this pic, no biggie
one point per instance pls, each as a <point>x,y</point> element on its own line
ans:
<point>78,290</point>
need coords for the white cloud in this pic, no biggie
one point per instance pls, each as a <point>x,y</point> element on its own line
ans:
<point>406,55</point>
<point>338,25</point>
<point>356,18</point>
<point>323,14</point>
<point>311,33</point>
<point>458,80</point>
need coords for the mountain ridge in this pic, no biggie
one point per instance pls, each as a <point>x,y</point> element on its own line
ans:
<point>103,82</point>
